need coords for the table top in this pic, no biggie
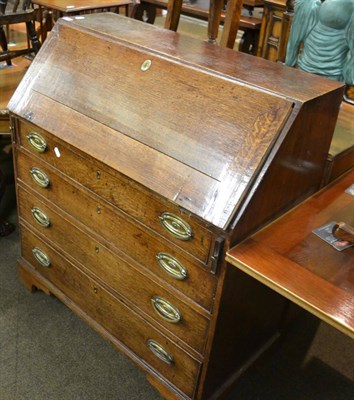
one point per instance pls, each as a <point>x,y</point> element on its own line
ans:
<point>75,6</point>
<point>289,258</point>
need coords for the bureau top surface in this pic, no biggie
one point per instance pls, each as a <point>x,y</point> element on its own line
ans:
<point>167,111</point>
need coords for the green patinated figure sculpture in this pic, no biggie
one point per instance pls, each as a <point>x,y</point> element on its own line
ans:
<point>326,32</point>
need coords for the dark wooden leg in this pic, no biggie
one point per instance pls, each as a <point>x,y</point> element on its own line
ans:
<point>214,19</point>
<point>248,42</point>
<point>173,13</point>
<point>144,12</point>
<point>3,42</point>
<point>46,22</point>
<point>250,10</point>
<point>33,36</point>
<point>231,24</point>
<point>42,23</point>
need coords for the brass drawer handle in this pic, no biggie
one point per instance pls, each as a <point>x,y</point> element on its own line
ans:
<point>160,352</point>
<point>176,226</point>
<point>40,217</point>
<point>172,266</point>
<point>40,177</point>
<point>166,310</point>
<point>37,142</point>
<point>41,257</point>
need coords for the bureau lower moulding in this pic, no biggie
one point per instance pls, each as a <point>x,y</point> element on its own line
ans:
<point>132,184</point>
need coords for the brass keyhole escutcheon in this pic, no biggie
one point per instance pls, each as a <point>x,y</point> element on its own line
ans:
<point>146,65</point>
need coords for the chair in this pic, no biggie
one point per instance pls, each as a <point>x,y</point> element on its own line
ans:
<point>12,12</point>
<point>231,23</point>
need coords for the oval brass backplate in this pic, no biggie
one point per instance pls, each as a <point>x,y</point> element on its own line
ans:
<point>37,142</point>
<point>160,352</point>
<point>172,266</point>
<point>176,226</point>
<point>40,217</point>
<point>166,310</point>
<point>39,177</point>
<point>41,257</point>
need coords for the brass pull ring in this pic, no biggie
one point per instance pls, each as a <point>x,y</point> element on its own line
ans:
<point>176,226</point>
<point>39,177</point>
<point>37,141</point>
<point>172,266</point>
<point>40,217</point>
<point>41,257</point>
<point>166,310</point>
<point>160,352</point>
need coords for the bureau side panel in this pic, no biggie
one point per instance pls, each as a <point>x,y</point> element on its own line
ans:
<point>297,167</point>
<point>248,322</point>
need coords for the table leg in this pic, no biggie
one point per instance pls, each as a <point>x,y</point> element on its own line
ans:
<point>214,19</point>
<point>173,13</point>
<point>231,23</point>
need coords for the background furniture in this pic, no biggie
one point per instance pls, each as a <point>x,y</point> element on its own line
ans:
<point>65,8</point>
<point>200,9</point>
<point>127,209</point>
<point>275,30</point>
<point>231,22</point>
<point>289,258</point>
<point>15,13</point>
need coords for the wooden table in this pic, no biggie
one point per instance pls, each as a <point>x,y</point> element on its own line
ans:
<point>287,257</point>
<point>71,8</point>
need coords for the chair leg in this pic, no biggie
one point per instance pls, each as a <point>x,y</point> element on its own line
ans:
<point>144,12</point>
<point>173,13</point>
<point>33,36</point>
<point>3,42</point>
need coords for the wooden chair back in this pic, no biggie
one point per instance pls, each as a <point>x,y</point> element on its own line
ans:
<point>15,12</point>
<point>231,24</point>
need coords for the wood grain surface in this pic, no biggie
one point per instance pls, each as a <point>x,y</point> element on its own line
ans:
<point>288,257</point>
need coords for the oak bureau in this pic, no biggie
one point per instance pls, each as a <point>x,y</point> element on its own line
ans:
<point>141,157</point>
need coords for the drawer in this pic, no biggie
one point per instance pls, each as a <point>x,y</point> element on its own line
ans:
<point>148,344</point>
<point>141,244</point>
<point>160,215</point>
<point>195,283</point>
<point>151,298</point>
